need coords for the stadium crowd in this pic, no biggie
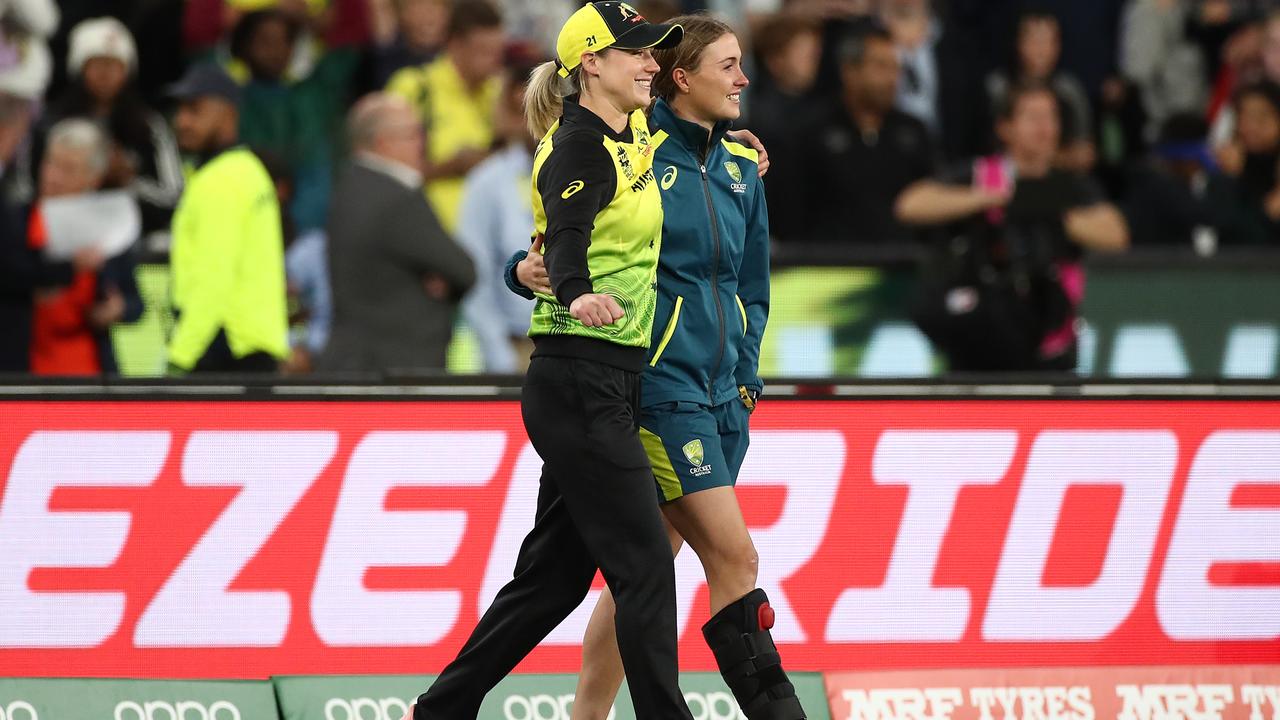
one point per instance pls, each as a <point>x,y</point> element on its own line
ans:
<point>335,181</point>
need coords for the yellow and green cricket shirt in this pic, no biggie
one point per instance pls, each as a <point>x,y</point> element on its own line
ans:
<point>599,209</point>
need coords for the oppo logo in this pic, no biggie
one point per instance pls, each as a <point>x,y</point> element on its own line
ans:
<point>181,710</point>
<point>713,706</point>
<point>541,707</point>
<point>364,708</point>
<point>18,710</point>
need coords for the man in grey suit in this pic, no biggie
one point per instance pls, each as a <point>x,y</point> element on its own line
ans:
<point>397,276</point>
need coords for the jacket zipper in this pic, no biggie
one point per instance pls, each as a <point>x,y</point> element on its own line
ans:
<point>715,275</point>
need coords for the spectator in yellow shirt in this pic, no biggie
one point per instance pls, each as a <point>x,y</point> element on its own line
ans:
<point>455,97</point>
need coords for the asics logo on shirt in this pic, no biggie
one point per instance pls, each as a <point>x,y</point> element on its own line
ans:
<point>572,189</point>
<point>669,177</point>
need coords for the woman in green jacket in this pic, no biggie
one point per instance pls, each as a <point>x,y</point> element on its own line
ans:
<point>702,382</point>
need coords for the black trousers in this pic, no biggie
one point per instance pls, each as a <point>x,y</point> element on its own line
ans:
<point>596,508</point>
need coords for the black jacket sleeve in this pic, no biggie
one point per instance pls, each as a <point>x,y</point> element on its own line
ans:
<point>576,182</point>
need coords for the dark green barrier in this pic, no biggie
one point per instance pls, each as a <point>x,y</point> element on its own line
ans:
<point>519,697</point>
<point>1203,322</point>
<point>1172,320</point>
<point>1207,321</point>
<point>367,697</point>
<point>135,700</point>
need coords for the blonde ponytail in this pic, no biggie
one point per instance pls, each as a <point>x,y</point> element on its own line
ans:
<point>544,98</point>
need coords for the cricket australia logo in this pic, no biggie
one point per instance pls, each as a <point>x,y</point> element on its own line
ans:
<point>694,454</point>
<point>735,173</point>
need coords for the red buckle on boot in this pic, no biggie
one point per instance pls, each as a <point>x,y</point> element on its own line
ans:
<point>764,615</point>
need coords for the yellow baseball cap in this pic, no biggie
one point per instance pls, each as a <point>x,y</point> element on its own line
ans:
<point>610,24</point>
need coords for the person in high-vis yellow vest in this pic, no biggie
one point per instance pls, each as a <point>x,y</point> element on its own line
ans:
<point>227,257</point>
<point>456,97</point>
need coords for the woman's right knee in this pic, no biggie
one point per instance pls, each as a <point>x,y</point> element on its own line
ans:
<point>737,558</point>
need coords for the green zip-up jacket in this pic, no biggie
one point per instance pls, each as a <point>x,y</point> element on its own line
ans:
<point>713,273</point>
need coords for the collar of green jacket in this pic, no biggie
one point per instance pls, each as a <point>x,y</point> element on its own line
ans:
<point>690,134</point>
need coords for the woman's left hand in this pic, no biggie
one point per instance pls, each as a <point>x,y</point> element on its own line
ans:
<point>749,138</point>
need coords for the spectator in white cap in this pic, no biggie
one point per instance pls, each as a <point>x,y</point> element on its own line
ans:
<point>24,69</point>
<point>102,64</point>
<point>24,57</point>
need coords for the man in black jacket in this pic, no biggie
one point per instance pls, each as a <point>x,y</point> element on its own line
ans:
<point>865,151</point>
<point>397,276</point>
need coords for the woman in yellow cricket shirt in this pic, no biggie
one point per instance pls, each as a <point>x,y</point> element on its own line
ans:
<point>702,381</point>
<point>598,207</point>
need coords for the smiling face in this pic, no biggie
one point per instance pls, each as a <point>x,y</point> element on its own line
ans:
<point>623,77</point>
<point>712,90</point>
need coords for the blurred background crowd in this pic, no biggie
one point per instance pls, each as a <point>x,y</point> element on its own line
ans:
<point>334,185</point>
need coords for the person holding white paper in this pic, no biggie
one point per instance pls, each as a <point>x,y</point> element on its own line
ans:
<point>72,323</point>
